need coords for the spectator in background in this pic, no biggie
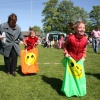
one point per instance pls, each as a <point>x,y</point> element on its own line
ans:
<point>86,35</point>
<point>60,42</point>
<point>50,39</point>
<point>90,40</point>
<point>95,34</point>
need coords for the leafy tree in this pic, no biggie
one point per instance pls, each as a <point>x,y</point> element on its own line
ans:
<point>50,11</point>
<point>80,14</point>
<point>89,27</point>
<point>69,13</point>
<point>95,15</point>
<point>65,14</point>
<point>57,16</point>
<point>37,29</point>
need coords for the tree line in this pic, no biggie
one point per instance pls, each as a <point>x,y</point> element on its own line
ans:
<point>57,16</point>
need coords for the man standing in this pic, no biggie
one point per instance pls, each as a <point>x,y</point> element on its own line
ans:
<point>95,39</point>
<point>11,33</point>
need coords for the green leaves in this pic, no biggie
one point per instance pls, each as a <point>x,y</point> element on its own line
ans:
<point>95,15</point>
<point>58,15</point>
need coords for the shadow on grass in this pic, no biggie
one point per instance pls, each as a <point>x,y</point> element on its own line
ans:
<point>95,75</point>
<point>18,69</point>
<point>20,72</point>
<point>54,82</point>
<point>2,68</point>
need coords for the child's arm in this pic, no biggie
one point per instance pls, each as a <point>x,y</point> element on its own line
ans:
<point>36,42</point>
<point>65,48</point>
<point>24,41</point>
<point>84,53</point>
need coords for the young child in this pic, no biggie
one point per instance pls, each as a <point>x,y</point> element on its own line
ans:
<point>95,34</point>
<point>60,42</point>
<point>29,56</point>
<point>74,83</point>
<point>75,45</point>
<point>31,41</point>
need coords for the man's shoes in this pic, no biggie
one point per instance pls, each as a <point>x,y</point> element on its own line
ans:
<point>13,74</point>
<point>8,73</point>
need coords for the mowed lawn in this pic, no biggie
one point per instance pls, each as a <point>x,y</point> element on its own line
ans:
<point>46,84</point>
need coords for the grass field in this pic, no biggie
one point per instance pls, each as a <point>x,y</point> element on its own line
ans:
<point>46,84</point>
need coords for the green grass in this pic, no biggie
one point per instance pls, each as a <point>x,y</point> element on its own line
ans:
<point>46,84</point>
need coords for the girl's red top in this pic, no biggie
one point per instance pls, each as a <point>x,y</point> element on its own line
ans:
<point>75,46</point>
<point>31,41</point>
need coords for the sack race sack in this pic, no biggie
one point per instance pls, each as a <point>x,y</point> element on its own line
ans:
<point>29,61</point>
<point>74,83</point>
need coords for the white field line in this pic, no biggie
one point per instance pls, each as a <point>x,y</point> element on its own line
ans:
<point>48,63</point>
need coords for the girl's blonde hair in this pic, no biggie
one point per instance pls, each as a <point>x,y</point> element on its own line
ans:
<point>73,26</point>
<point>77,24</point>
<point>31,29</point>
